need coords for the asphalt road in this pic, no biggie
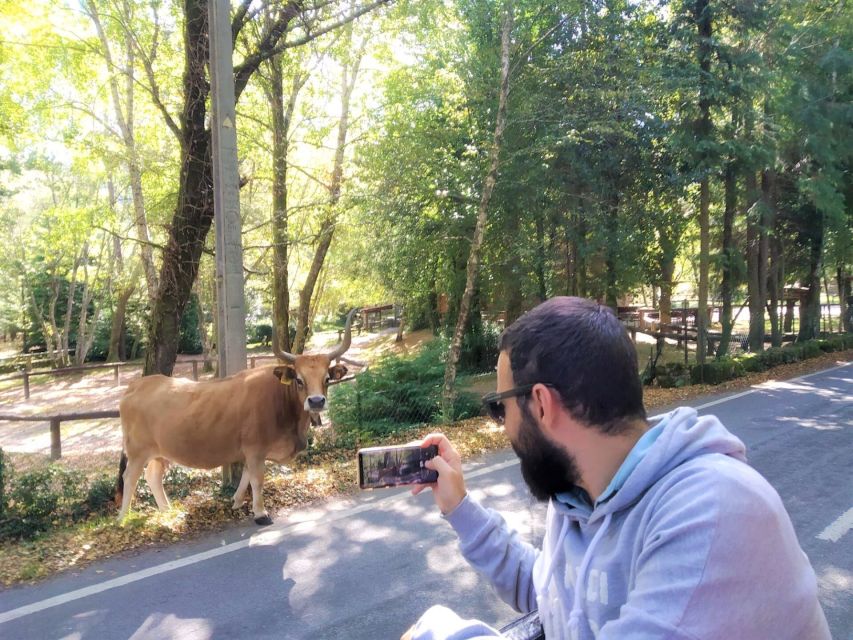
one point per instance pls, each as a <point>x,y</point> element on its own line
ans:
<point>366,568</point>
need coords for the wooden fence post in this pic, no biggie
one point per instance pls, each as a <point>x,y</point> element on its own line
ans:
<point>115,375</point>
<point>26,376</point>
<point>55,443</point>
<point>195,370</point>
<point>252,362</point>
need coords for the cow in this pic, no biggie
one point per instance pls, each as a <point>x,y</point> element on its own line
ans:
<point>252,416</point>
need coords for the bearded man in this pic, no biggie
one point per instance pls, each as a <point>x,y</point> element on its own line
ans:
<point>656,528</point>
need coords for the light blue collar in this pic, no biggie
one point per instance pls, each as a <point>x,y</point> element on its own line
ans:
<point>577,498</point>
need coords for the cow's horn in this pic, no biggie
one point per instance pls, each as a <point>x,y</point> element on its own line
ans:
<point>343,346</point>
<point>276,347</point>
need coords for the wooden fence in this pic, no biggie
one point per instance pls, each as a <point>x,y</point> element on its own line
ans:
<point>56,419</point>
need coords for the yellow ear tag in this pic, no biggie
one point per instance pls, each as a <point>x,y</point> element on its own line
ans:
<point>285,380</point>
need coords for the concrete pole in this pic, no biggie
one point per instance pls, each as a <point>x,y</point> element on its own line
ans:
<point>230,300</point>
<point>231,306</point>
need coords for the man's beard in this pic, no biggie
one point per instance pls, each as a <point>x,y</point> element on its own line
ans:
<point>545,467</point>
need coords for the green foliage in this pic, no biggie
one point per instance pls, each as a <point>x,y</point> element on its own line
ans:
<point>100,495</point>
<point>716,371</point>
<point>672,374</point>
<point>45,498</point>
<point>396,394</point>
<point>752,362</point>
<point>39,498</point>
<point>190,337</point>
<point>479,352</point>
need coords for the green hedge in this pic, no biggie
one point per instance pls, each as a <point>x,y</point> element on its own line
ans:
<point>716,371</point>
<point>396,394</point>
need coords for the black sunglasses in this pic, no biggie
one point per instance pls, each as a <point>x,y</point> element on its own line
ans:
<point>493,401</point>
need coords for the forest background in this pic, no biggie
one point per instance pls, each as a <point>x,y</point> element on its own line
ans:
<point>463,159</point>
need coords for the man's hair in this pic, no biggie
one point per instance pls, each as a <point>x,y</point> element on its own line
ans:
<point>581,349</point>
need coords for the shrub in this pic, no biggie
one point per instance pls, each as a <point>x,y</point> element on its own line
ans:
<point>479,350</point>
<point>39,498</point>
<point>774,356</point>
<point>753,362</point>
<point>100,494</point>
<point>810,349</point>
<point>673,374</point>
<point>396,394</point>
<point>716,371</point>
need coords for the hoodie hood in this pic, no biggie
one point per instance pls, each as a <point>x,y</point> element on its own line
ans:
<point>684,435</point>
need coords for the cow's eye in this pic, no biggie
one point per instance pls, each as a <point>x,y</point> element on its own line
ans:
<point>300,383</point>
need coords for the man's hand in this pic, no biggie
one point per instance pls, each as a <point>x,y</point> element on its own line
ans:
<point>449,490</point>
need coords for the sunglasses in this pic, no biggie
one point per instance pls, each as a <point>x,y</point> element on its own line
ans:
<point>493,402</point>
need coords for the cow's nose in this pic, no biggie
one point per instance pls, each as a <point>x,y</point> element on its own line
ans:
<point>317,402</point>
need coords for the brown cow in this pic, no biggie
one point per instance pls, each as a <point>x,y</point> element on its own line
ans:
<point>249,417</point>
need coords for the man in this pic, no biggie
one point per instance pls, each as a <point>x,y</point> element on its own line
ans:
<point>655,529</point>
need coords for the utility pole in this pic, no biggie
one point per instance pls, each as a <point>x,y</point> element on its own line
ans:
<point>230,300</point>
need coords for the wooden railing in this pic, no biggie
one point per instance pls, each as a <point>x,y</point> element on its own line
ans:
<point>56,419</point>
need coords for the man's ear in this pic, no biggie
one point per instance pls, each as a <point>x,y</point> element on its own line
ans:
<point>546,406</point>
<point>285,373</point>
<point>337,371</point>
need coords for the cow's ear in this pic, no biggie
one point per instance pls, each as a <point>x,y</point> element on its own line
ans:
<point>337,372</point>
<point>285,373</point>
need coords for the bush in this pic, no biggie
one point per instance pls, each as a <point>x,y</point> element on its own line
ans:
<point>810,349</point>
<point>716,371</point>
<point>396,394</point>
<point>39,498</point>
<point>479,351</point>
<point>753,362</point>
<point>100,494</point>
<point>673,374</point>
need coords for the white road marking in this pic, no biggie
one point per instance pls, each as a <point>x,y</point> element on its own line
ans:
<point>275,533</point>
<point>268,536</point>
<point>764,386</point>
<point>837,529</point>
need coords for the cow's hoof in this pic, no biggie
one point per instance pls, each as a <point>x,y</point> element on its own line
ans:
<point>263,520</point>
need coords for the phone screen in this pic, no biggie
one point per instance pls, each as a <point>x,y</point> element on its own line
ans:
<point>394,466</point>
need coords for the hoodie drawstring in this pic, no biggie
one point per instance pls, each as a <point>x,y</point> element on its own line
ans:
<point>575,615</point>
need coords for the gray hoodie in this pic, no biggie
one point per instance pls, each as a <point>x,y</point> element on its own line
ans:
<point>688,542</point>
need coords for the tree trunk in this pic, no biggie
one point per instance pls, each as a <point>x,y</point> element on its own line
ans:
<point>756,273</point>
<point>282,116</point>
<point>704,132</point>
<point>117,323</point>
<point>728,250</point>
<point>449,392</point>
<point>843,282</point>
<point>194,213</point>
<point>772,255</point>
<point>810,306</point>
<point>327,226</point>
<point>540,258</point>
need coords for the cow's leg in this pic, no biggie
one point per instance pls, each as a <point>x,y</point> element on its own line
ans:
<point>132,473</point>
<point>240,494</point>
<point>256,478</point>
<point>154,472</point>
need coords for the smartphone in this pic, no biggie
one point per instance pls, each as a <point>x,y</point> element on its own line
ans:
<point>394,466</point>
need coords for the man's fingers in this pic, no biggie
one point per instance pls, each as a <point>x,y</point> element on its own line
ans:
<point>439,464</point>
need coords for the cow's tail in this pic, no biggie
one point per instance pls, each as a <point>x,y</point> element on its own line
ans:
<point>122,465</point>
